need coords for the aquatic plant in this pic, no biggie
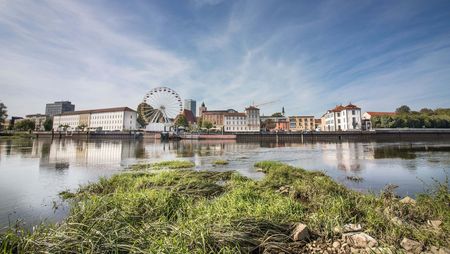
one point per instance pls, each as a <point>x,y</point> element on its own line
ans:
<point>220,162</point>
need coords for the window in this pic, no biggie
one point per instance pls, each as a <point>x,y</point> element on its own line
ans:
<point>353,112</point>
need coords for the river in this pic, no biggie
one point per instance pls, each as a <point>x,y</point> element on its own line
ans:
<point>33,172</point>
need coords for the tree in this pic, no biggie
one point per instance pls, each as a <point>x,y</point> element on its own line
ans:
<point>268,124</point>
<point>206,124</point>
<point>426,111</point>
<point>140,112</point>
<point>48,124</point>
<point>403,110</point>
<point>81,127</point>
<point>181,121</point>
<point>277,114</point>
<point>25,125</point>
<point>3,114</point>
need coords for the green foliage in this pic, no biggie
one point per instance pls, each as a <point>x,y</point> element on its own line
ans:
<point>426,118</point>
<point>48,124</point>
<point>3,114</point>
<point>25,125</point>
<point>163,165</point>
<point>206,124</point>
<point>181,121</point>
<point>403,110</point>
<point>220,162</point>
<point>141,115</point>
<point>188,211</point>
<point>277,114</point>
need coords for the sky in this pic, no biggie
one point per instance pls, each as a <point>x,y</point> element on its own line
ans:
<point>307,56</point>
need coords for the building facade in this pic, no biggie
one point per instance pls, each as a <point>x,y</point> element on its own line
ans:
<point>301,123</point>
<point>59,107</point>
<point>235,122</point>
<point>109,119</point>
<point>38,120</point>
<point>191,105</point>
<point>343,118</point>
<point>253,119</point>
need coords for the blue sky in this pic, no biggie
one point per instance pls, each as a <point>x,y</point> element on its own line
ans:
<point>308,55</point>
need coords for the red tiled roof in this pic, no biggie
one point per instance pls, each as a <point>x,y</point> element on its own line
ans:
<point>339,108</point>
<point>103,110</point>
<point>235,114</point>
<point>189,116</point>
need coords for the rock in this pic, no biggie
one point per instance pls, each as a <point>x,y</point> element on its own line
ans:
<point>360,240</point>
<point>396,220</point>
<point>336,245</point>
<point>300,233</point>
<point>435,223</point>
<point>436,250</point>
<point>347,228</point>
<point>407,201</point>
<point>411,245</point>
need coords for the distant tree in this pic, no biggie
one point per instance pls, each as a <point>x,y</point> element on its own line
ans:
<point>48,124</point>
<point>403,110</point>
<point>25,125</point>
<point>206,124</point>
<point>268,124</point>
<point>181,121</point>
<point>81,127</point>
<point>3,114</point>
<point>277,114</point>
<point>142,107</point>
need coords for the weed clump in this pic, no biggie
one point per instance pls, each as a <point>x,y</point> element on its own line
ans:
<point>163,165</point>
<point>220,162</point>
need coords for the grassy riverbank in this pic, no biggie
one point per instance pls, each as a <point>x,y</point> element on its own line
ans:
<point>187,211</point>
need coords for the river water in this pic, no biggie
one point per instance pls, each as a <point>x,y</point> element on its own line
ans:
<point>33,172</point>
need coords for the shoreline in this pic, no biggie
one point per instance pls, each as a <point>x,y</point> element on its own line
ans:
<point>184,206</point>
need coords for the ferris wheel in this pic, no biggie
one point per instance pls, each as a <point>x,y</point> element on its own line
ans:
<point>162,104</point>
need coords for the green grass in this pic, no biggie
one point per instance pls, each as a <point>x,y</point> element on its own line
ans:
<point>220,162</point>
<point>186,211</point>
<point>163,165</point>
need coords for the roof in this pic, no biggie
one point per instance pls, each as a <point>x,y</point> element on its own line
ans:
<point>92,111</point>
<point>381,113</point>
<point>218,112</point>
<point>301,116</point>
<point>339,108</point>
<point>35,115</point>
<point>189,116</point>
<point>235,114</point>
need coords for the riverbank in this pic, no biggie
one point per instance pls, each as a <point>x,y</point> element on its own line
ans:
<point>155,209</point>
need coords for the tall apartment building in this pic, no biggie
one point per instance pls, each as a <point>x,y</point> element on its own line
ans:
<point>108,119</point>
<point>191,105</point>
<point>343,118</point>
<point>59,107</point>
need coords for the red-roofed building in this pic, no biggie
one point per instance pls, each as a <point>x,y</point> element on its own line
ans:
<point>342,118</point>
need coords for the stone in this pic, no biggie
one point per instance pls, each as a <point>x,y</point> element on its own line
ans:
<point>435,223</point>
<point>336,245</point>
<point>407,201</point>
<point>411,245</point>
<point>347,228</point>
<point>300,233</point>
<point>396,220</point>
<point>360,240</point>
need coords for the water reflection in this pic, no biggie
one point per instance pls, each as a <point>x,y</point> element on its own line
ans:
<point>33,172</point>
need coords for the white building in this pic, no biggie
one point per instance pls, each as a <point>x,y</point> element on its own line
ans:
<point>343,118</point>
<point>108,119</point>
<point>242,122</point>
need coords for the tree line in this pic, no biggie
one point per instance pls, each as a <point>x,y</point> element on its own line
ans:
<point>406,118</point>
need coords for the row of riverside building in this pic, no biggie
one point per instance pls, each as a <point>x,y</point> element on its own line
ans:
<point>340,118</point>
